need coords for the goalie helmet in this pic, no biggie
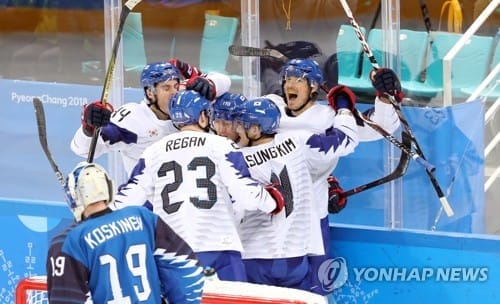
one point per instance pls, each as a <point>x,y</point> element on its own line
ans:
<point>260,111</point>
<point>303,68</point>
<point>157,72</point>
<point>185,107</point>
<point>88,183</point>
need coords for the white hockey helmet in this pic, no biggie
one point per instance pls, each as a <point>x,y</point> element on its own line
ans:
<point>88,183</point>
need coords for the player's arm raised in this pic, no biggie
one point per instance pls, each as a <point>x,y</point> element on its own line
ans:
<point>94,115</point>
<point>342,138</point>
<point>385,81</point>
<point>325,149</point>
<point>209,84</point>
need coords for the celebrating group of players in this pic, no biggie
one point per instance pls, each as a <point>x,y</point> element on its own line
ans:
<point>237,187</point>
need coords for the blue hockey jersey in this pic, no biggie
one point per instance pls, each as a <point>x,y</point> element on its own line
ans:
<point>123,256</point>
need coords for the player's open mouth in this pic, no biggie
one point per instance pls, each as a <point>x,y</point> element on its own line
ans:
<point>291,96</point>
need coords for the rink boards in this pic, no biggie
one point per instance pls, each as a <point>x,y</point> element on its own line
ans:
<point>370,265</point>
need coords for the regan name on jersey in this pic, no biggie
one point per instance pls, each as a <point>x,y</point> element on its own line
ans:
<point>184,142</point>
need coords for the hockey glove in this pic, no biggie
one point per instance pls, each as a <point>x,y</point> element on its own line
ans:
<point>385,81</point>
<point>275,190</point>
<point>341,97</point>
<point>202,85</point>
<point>95,115</point>
<point>336,200</point>
<point>188,71</point>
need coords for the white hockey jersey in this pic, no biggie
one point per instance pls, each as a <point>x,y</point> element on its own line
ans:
<point>296,160</point>
<point>320,117</point>
<point>131,129</point>
<point>196,181</point>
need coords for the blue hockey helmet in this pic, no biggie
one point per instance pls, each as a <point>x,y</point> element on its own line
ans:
<point>260,111</point>
<point>226,106</point>
<point>185,107</point>
<point>304,68</point>
<point>157,72</point>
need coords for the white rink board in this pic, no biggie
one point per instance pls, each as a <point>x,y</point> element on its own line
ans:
<point>256,293</point>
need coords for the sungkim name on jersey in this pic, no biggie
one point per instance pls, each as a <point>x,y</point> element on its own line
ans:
<point>107,231</point>
<point>261,156</point>
<point>184,142</point>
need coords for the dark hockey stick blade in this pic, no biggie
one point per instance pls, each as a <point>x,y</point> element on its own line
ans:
<point>415,155</point>
<point>430,173</point>
<point>398,172</point>
<point>241,50</point>
<point>42,136</point>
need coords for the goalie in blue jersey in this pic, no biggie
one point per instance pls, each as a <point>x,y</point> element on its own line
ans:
<point>123,256</point>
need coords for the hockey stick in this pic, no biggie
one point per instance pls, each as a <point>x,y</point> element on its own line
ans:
<point>372,25</point>
<point>397,108</point>
<point>399,171</point>
<point>428,28</point>
<point>425,15</point>
<point>259,52</point>
<point>42,136</point>
<point>126,9</point>
<point>359,33</point>
<point>241,50</point>
<point>417,156</point>
<point>405,146</point>
<point>444,201</point>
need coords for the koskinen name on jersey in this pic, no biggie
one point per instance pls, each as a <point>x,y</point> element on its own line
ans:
<point>107,231</point>
<point>184,142</point>
<point>261,156</point>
